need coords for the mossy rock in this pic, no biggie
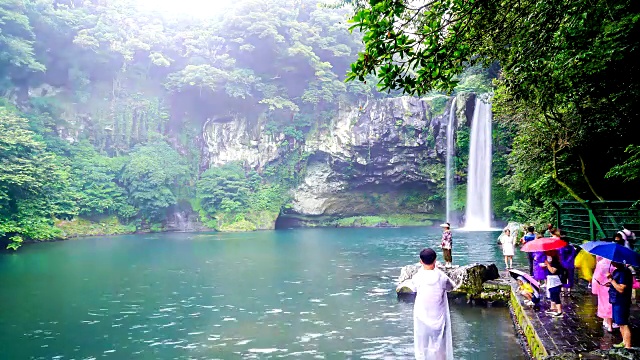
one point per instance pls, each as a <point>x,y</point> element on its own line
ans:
<point>79,227</point>
<point>496,285</point>
<point>263,220</point>
<point>404,290</point>
<point>496,295</point>
<point>563,357</point>
<point>469,278</point>
<point>238,226</point>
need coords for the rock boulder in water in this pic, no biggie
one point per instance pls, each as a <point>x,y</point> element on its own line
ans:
<point>469,280</point>
<point>491,273</point>
<point>407,272</point>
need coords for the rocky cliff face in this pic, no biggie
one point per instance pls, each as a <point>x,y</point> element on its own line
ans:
<point>382,157</point>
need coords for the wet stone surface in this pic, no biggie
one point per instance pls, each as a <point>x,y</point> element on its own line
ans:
<point>579,331</point>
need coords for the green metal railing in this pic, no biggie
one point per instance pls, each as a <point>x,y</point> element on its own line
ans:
<point>594,220</point>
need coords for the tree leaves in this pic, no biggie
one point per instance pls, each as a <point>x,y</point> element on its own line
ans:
<point>569,77</point>
<point>151,177</point>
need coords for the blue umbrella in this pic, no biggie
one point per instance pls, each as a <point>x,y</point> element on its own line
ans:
<point>612,251</point>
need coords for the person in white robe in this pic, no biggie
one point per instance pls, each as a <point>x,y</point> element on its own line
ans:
<point>431,318</point>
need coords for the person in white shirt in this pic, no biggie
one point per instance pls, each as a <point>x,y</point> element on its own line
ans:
<point>431,319</point>
<point>508,247</point>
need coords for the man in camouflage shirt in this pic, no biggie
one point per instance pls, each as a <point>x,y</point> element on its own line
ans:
<point>447,241</point>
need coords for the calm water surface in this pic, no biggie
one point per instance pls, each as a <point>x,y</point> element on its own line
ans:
<point>310,293</point>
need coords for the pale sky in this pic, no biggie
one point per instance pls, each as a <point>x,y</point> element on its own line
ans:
<point>199,8</point>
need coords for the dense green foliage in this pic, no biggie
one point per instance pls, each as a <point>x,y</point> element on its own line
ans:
<point>229,195</point>
<point>32,182</point>
<point>567,89</point>
<point>104,103</point>
<point>152,176</point>
<point>103,106</point>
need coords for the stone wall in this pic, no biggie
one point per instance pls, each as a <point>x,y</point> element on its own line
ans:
<point>393,146</point>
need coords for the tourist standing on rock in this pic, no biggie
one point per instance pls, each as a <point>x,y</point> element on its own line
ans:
<point>599,288</point>
<point>447,242</point>
<point>431,319</point>
<point>508,244</point>
<point>555,273</point>
<point>529,236</point>
<point>620,285</point>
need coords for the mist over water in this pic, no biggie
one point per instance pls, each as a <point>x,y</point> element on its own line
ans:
<point>308,293</point>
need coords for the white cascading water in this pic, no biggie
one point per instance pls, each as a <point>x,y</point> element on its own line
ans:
<point>478,209</point>
<point>450,150</point>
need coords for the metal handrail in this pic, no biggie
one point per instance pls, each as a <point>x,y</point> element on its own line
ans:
<point>596,219</point>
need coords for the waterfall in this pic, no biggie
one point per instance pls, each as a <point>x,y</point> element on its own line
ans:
<point>181,223</point>
<point>450,150</point>
<point>478,208</point>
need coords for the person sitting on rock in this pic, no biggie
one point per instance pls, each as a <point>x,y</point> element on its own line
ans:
<point>526,290</point>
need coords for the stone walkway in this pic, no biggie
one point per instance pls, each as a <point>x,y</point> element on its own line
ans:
<point>580,331</point>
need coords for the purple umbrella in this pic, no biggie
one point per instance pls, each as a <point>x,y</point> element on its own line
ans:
<point>517,273</point>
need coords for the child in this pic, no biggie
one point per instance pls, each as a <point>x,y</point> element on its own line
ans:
<point>526,290</point>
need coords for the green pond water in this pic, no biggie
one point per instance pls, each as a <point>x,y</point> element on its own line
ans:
<point>308,293</point>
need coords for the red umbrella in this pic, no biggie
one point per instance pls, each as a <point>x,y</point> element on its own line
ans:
<point>544,244</point>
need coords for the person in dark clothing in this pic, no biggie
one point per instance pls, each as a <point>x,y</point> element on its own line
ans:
<point>529,236</point>
<point>567,258</point>
<point>555,276</point>
<point>618,239</point>
<point>620,286</point>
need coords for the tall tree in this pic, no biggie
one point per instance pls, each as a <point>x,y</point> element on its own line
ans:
<point>568,73</point>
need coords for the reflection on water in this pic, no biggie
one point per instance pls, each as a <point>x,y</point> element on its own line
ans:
<point>310,293</point>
